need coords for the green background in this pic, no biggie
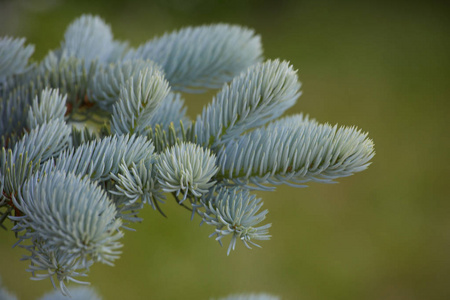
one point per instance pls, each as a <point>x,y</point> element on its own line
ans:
<point>381,234</point>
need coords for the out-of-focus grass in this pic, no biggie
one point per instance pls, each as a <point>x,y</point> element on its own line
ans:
<point>382,234</point>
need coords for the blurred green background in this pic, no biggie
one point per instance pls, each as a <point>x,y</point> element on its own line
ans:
<point>381,234</point>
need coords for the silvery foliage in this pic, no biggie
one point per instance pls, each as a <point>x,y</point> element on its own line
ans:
<point>187,169</point>
<point>105,86</point>
<point>78,293</point>
<point>138,183</point>
<point>196,58</point>
<point>92,232</point>
<point>235,212</point>
<point>138,101</point>
<point>51,105</point>
<point>71,191</point>
<point>294,150</point>
<point>88,38</point>
<point>13,57</point>
<point>257,96</point>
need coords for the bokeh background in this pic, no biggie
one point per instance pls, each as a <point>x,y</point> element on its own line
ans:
<point>381,234</point>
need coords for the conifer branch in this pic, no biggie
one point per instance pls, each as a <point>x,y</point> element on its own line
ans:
<point>71,190</point>
<point>88,38</point>
<point>254,98</point>
<point>195,58</point>
<point>14,56</point>
<point>186,168</point>
<point>50,105</point>
<point>105,86</point>
<point>295,150</point>
<point>98,159</point>
<point>235,212</point>
<point>138,101</point>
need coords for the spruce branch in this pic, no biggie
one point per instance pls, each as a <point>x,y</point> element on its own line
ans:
<point>171,111</point>
<point>138,101</point>
<point>70,223</point>
<point>69,213</point>
<point>50,105</point>
<point>14,106</point>
<point>14,56</point>
<point>259,95</point>
<point>166,138</point>
<point>105,86</point>
<point>69,74</point>
<point>71,190</point>
<point>45,141</point>
<point>125,210</point>
<point>295,150</point>
<point>138,182</point>
<point>98,159</point>
<point>186,168</point>
<point>118,51</point>
<point>51,263</point>
<point>82,136</point>
<point>88,38</point>
<point>234,212</point>
<point>42,143</point>
<point>195,58</point>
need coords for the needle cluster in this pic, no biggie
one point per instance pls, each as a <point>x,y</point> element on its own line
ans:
<point>71,189</point>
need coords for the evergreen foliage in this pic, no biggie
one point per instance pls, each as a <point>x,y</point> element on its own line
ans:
<point>70,190</point>
<point>13,56</point>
